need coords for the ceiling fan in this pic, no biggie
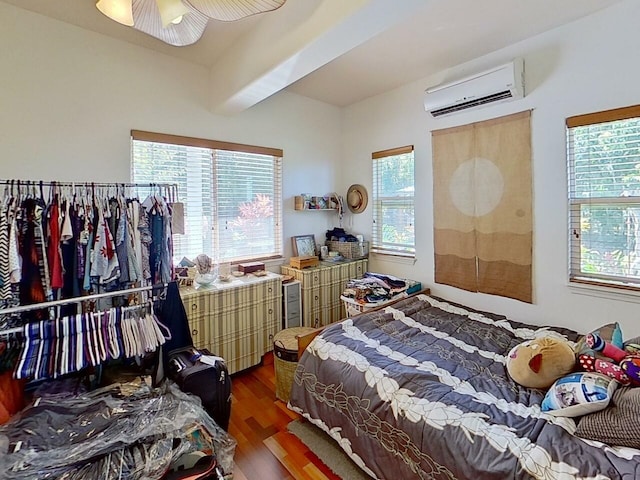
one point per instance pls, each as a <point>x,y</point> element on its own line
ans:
<point>180,22</point>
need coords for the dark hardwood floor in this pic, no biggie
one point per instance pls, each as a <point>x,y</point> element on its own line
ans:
<point>266,450</point>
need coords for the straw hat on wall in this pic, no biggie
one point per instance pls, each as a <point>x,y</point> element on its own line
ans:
<point>357,198</point>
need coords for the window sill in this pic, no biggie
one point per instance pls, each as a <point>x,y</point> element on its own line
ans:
<point>604,292</point>
<point>394,258</point>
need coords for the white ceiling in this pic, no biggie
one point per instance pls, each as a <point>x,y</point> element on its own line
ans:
<point>339,51</point>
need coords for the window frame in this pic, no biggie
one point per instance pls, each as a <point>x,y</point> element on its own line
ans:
<point>576,276</point>
<point>216,145</point>
<point>378,246</point>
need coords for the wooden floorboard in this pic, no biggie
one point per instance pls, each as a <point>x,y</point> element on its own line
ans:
<point>266,450</point>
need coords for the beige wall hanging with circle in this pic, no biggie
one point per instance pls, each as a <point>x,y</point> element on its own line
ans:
<point>357,198</point>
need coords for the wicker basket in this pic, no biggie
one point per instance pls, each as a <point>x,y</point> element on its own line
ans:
<point>350,250</point>
<point>285,359</point>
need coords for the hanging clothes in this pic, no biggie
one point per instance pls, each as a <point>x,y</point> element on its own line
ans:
<point>145,243</point>
<point>53,245</point>
<point>160,253</point>
<point>35,285</point>
<point>15,259</point>
<point>133,264</point>
<point>5,274</point>
<point>122,247</point>
<point>104,261</point>
<point>53,348</point>
<point>78,240</point>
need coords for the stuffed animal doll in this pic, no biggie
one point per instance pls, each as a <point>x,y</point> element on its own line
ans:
<point>540,362</point>
<point>624,365</point>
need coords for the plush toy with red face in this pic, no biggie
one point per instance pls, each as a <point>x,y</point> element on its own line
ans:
<point>540,362</point>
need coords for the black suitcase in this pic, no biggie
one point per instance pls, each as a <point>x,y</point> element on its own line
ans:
<point>209,382</point>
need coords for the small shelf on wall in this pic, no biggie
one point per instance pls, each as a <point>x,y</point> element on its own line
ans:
<point>317,203</point>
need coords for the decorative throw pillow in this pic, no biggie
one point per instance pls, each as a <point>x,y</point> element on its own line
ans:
<point>611,333</point>
<point>618,424</point>
<point>578,394</point>
<point>632,345</point>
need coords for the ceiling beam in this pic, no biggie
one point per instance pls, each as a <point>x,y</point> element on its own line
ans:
<point>303,37</point>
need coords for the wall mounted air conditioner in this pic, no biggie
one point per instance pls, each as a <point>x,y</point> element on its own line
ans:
<point>499,84</point>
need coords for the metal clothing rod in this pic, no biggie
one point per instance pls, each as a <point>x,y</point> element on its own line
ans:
<point>56,303</point>
<point>36,183</point>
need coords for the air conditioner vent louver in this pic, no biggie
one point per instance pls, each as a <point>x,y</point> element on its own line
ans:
<point>499,84</point>
<point>476,102</point>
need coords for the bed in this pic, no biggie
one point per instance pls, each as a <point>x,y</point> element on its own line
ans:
<point>419,389</point>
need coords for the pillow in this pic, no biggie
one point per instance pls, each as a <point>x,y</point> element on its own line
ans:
<point>578,394</point>
<point>632,345</point>
<point>616,425</point>
<point>611,332</point>
<point>540,362</point>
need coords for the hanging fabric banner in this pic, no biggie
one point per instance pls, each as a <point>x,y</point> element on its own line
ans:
<point>483,225</point>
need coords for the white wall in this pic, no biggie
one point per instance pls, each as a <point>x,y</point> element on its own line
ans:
<point>589,65</point>
<point>69,99</point>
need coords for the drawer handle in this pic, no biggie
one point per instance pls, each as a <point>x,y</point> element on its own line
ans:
<point>270,289</point>
<point>270,311</point>
<point>316,297</point>
<point>194,331</point>
<point>194,306</point>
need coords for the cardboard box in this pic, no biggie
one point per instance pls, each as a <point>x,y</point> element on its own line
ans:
<point>250,267</point>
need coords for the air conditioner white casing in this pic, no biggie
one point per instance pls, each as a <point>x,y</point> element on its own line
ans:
<point>498,84</point>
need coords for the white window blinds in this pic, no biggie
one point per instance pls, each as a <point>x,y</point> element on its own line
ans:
<point>247,205</point>
<point>232,195</point>
<point>393,202</point>
<point>603,153</point>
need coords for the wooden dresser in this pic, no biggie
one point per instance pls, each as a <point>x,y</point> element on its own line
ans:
<point>236,320</point>
<point>322,287</point>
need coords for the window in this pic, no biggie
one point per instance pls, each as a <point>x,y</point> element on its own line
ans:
<point>393,208</point>
<point>231,193</point>
<point>603,157</point>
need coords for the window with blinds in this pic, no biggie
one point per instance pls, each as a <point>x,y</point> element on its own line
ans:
<point>231,194</point>
<point>393,205</point>
<point>603,157</point>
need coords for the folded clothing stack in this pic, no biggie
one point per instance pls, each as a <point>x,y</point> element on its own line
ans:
<point>377,287</point>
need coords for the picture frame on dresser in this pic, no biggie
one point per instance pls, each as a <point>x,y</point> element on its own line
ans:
<point>304,245</point>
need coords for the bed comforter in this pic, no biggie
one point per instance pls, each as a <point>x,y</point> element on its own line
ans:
<point>420,390</point>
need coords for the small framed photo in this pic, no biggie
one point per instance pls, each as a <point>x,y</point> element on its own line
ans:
<point>304,246</point>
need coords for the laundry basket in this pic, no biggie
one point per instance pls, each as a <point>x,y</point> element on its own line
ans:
<point>354,308</point>
<point>285,359</point>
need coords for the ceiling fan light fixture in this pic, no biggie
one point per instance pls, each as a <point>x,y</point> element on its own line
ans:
<point>180,22</point>
<point>117,10</point>
<point>171,11</point>
<point>232,10</point>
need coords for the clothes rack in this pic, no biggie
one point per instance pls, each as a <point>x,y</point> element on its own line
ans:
<point>56,303</point>
<point>169,190</point>
<point>58,239</point>
<point>38,183</point>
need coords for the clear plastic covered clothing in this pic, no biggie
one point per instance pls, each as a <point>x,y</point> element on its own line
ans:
<point>123,431</point>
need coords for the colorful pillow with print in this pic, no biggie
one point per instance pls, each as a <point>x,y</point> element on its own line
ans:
<point>578,394</point>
